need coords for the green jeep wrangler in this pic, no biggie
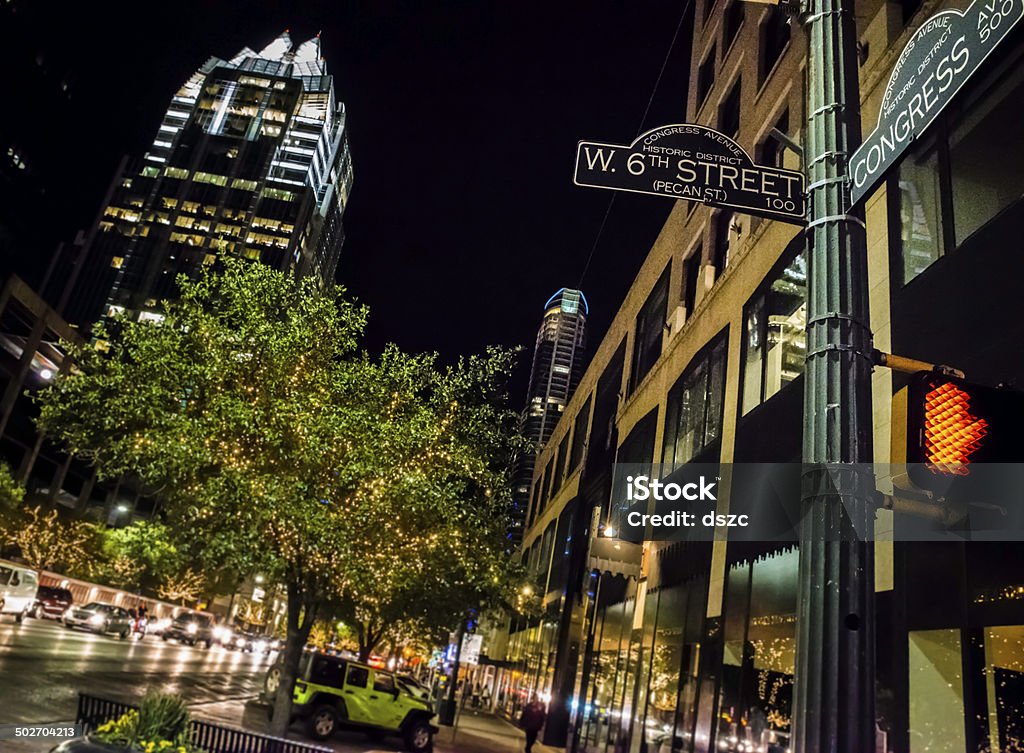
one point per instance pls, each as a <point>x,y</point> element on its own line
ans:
<point>333,693</point>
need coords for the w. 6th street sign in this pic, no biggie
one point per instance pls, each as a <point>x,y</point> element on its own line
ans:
<point>693,162</point>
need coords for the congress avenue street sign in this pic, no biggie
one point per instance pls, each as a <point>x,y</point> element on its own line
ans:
<point>696,163</point>
<point>940,57</point>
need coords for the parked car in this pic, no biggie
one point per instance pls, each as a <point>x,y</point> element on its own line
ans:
<point>51,602</point>
<point>190,628</point>
<point>333,693</point>
<point>99,618</point>
<point>18,586</point>
<point>414,686</point>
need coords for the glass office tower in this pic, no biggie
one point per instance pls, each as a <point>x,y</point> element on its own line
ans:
<point>251,160</point>
<point>557,367</point>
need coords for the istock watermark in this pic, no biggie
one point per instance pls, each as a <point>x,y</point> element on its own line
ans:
<point>641,488</point>
<point>764,502</point>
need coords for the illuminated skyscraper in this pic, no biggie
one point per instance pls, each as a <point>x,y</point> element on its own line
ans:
<point>558,364</point>
<point>251,160</point>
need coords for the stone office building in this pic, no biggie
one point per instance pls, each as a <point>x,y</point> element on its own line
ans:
<point>691,646</point>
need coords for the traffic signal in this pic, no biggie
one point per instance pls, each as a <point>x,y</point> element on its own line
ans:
<point>955,429</point>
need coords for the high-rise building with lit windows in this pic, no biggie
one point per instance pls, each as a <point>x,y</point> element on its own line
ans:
<point>558,364</point>
<point>250,160</point>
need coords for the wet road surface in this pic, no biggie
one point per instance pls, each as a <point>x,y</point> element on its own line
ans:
<point>43,667</point>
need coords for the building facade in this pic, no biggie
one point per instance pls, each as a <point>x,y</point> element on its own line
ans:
<point>251,160</point>
<point>558,363</point>
<point>690,646</point>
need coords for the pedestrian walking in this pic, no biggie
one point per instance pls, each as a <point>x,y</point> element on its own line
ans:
<point>532,720</point>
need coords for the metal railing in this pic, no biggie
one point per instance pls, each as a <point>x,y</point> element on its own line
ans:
<point>207,737</point>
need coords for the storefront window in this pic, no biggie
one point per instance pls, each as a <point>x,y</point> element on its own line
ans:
<point>758,663</point>
<point>1004,679</point>
<point>666,662</point>
<point>603,729</point>
<point>773,330</point>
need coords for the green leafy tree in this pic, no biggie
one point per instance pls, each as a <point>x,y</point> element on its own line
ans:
<point>11,495</point>
<point>11,492</point>
<point>141,555</point>
<point>277,446</point>
<point>422,585</point>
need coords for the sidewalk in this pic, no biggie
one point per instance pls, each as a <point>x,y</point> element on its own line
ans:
<point>485,733</point>
<point>475,733</point>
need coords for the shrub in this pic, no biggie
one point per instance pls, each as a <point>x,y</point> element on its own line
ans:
<point>159,726</point>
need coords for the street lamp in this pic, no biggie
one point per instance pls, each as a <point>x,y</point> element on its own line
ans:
<point>259,579</point>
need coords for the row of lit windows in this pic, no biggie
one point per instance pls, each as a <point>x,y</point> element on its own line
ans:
<point>201,177</point>
<point>262,223</point>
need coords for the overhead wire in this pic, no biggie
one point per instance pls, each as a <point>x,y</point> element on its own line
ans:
<point>639,130</point>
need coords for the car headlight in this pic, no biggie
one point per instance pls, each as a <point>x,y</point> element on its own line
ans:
<point>192,628</point>
<point>68,613</point>
<point>97,619</point>
<point>222,633</point>
<point>240,642</point>
<point>261,646</point>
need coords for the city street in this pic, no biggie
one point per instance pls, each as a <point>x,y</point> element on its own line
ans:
<point>52,664</point>
<point>45,666</point>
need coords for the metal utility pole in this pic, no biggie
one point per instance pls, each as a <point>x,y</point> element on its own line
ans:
<point>834,700</point>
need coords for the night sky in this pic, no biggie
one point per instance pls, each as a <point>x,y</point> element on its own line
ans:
<point>463,120</point>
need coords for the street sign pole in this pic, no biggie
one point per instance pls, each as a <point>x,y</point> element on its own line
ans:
<point>835,661</point>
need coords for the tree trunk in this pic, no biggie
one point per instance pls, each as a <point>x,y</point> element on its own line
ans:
<point>301,614</point>
<point>368,640</point>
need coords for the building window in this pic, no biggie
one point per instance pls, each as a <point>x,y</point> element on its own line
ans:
<point>637,451</point>
<point>723,227</point>
<point>920,210</point>
<point>650,325</point>
<point>691,277</point>
<point>693,421</point>
<point>775,32</point>
<point>563,452</point>
<point>545,487</point>
<point>774,343</point>
<point>986,177</point>
<point>534,504</point>
<point>772,151</point>
<point>732,20</point>
<point>705,77</point>
<point>561,549</point>
<point>729,111</point>
<point>579,436</point>
<point>952,186</point>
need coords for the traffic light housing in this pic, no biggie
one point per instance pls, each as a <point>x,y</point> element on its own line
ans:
<point>954,427</point>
